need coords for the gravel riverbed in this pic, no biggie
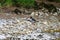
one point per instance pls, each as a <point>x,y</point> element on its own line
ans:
<point>47,27</point>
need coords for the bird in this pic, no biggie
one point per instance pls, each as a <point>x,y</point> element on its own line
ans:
<point>31,19</point>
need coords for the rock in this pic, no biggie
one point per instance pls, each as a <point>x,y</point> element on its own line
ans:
<point>27,12</point>
<point>55,14</point>
<point>42,25</point>
<point>49,36</point>
<point>57,34</point>
<point>53,22</point>
<point>34,14</point>
<point>17,11</point>
<point>2,37</point>
<point>41,15</point>
<point>40,36</point>
<point>37,30</point>
<point>8,35</point>
<point>46,14</point>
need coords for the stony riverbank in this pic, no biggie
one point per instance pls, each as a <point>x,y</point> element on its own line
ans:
<point>46,26</point>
